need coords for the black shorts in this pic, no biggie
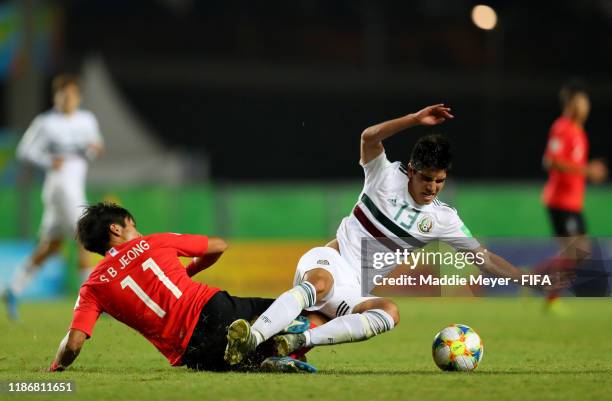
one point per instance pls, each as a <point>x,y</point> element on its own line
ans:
<point>565,223</point>
<point>207,344</point>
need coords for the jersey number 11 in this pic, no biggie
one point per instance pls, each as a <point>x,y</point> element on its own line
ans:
<point>150,264</point>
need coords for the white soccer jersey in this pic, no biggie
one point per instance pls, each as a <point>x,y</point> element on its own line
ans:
<point>55,134</point>
<point>386,210</point>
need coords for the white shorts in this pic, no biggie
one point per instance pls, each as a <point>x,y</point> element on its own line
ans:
<point>62,209</point>
<point>346,291</point>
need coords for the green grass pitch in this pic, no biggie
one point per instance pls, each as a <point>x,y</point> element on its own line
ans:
<point>528,356</point>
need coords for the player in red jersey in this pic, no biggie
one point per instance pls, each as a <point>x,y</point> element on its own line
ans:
<point>142,283</point>
<point>566,160</point>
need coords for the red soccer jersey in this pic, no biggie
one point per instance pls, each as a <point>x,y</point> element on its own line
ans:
<point>568,143</point>
<point>143,284</point>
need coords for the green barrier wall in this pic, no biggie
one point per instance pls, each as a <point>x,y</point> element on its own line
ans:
<point>517,210</point>
<point>301,212</point>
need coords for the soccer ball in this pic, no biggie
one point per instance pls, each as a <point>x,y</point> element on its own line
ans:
<point>457,347</point>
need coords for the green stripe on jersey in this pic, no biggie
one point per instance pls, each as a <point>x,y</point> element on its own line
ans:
<point>466,231</point>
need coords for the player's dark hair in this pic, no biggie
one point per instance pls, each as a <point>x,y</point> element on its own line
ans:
<point>571,89</point>
<point>93,230</point>
<point>431,151</point>
<point>62,81</point>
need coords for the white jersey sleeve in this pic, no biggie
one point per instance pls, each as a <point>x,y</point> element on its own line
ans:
<point>93,136</point>
<point>456,233</point>
<point>34,145</point>
<point>374,170</point>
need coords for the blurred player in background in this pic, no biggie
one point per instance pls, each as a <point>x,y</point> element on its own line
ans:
<point>61,141</point>
<point>142,283</point>
<point>566,160</point>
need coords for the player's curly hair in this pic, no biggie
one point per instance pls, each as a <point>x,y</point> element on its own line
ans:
<point>93,227</point>
<point>431,151</point>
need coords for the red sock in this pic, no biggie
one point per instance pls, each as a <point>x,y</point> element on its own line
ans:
<point>554,265</point>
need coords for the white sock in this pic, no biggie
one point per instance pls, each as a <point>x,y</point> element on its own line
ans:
<point>283,310</point>
<point>23,276</point>
<point>350,328</point>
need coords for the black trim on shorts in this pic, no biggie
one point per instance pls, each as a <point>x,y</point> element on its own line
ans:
<point>207,344</point>
<point>566,223</point>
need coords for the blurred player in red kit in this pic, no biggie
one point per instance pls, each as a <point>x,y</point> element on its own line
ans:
<point>568,166</point>
<point>142,283</point>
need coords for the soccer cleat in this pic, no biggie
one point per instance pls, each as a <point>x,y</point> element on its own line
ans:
<point>557,308</point>
<point>285,364</point>
<point>11,304</point>
<point>285,344</point>
<point>240,342</point>
<point>299,325</point>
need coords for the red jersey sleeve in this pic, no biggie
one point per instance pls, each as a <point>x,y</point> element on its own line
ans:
<point>557,147</point>
<point>86,311</point>
<point>185,244</point>
<point>566,144</point>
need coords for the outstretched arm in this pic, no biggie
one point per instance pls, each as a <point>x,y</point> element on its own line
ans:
<point>372,137</point>
<point>497,266</point>
<point>216,247</point>
<point>68,350</point>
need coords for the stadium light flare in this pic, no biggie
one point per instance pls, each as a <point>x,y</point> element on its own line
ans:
<point>484,17</point>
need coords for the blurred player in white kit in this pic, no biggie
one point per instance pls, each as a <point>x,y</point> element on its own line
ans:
<point>61,141</point>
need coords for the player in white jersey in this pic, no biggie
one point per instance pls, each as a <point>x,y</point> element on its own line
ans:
<point>61,141</point>
<point>396,209</point>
